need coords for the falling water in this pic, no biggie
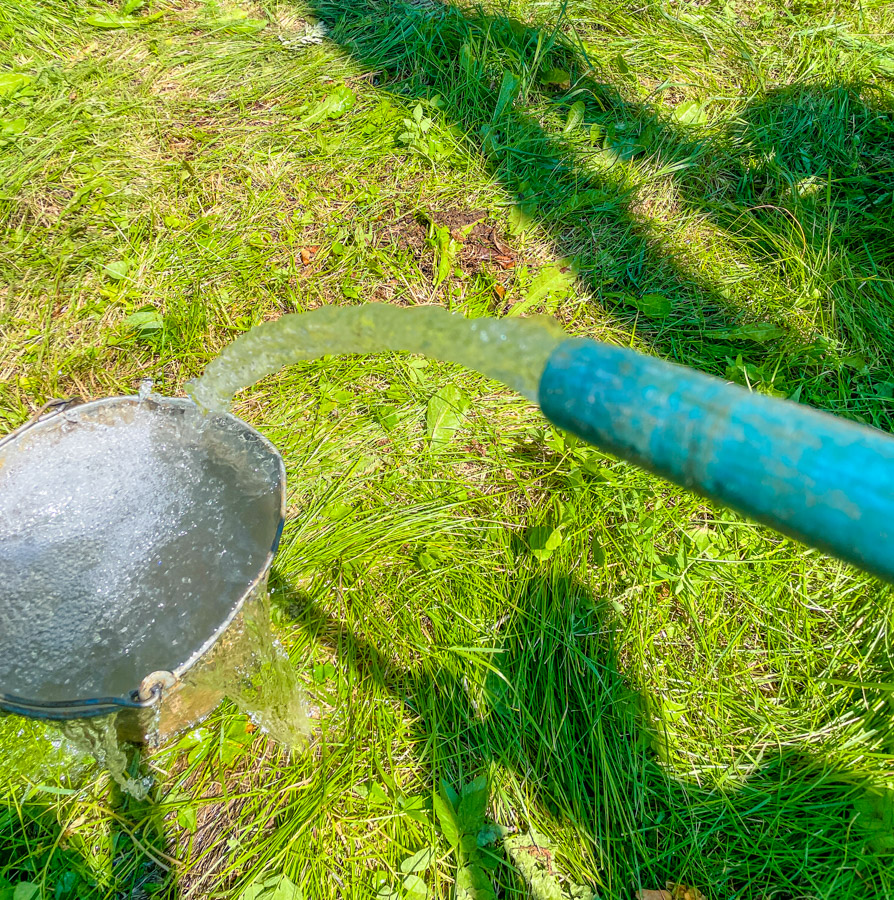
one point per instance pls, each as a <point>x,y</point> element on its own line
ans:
<point>514,351</point>
<point>98,738</point>
<point>262,682</point>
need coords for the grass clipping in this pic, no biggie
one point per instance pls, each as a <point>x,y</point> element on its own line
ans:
<point>534,861</point>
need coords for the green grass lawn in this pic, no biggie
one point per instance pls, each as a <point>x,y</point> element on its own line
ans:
<point>634,687</point>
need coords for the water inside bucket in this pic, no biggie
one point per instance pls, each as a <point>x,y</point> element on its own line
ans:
<point>128,534</point>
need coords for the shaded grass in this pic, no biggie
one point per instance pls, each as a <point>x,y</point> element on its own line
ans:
<point>675,694</point>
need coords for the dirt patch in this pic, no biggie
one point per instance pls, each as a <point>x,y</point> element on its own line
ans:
<point>408,232</point>
<point>458,219</point>
<point>481,245</point>
<point>484,245</point>
<point>481,242</point>
<point>219,817</point>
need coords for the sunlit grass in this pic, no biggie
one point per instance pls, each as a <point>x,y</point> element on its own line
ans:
<point>670,693</point>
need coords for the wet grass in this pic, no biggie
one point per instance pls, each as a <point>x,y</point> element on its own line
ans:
<point>663,691</point>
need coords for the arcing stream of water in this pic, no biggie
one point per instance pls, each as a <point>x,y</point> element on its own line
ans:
<point>514,351</point>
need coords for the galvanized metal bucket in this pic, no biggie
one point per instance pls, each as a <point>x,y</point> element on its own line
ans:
<point>187,686</point>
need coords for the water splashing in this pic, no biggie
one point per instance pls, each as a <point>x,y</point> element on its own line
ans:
<point>514,351</point>
<point>126,539</point>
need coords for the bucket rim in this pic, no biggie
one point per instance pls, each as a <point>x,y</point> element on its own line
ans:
<point>60,710</point>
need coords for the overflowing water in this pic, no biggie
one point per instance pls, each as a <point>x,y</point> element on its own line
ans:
<point>125,542</point>
<point>254,671</point>
<point>514,351</point>
<point>98,738</point>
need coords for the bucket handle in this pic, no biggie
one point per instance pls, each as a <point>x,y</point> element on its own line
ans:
<point>50,408</point>
<point>148,694</point>
<point>77,709</point>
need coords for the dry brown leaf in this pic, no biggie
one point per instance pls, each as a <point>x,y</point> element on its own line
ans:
<point>502,247</point>
<point>505,262</point>
<point>661,894</point>
<point>307,254</point>
<point>500,291</point>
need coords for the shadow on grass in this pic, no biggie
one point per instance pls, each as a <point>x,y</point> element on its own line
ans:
<point>555,711</point>
<point>812,167</point>
<point>805,179</point>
